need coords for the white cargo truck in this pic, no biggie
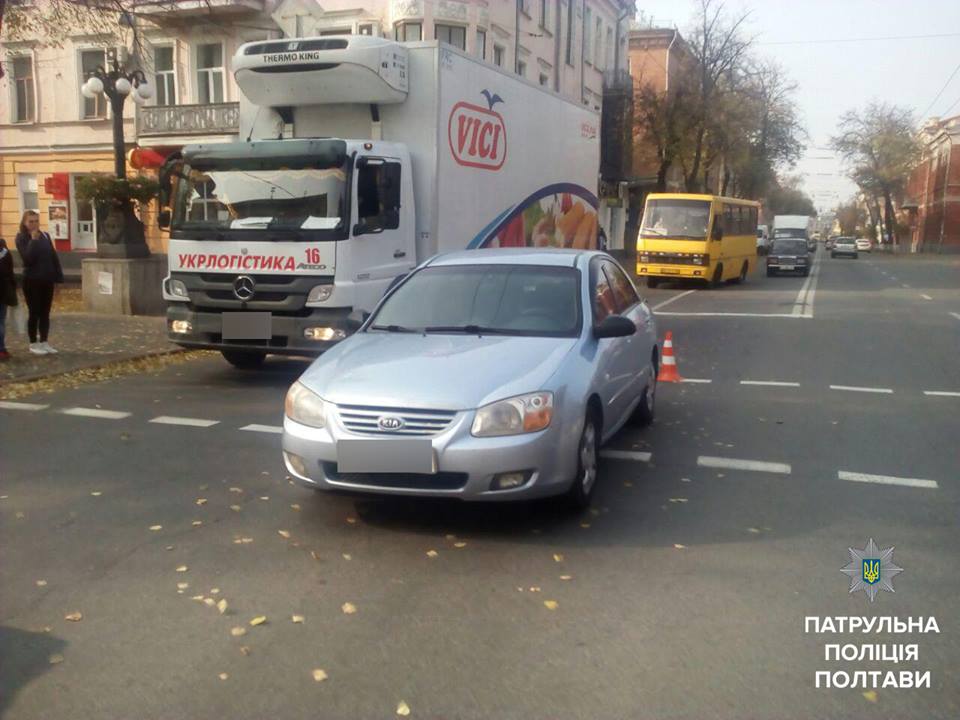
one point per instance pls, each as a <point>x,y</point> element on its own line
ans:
<point>358,158</point>
<point>793,226</point>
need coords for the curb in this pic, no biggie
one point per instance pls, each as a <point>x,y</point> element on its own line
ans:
<point>96,366</point>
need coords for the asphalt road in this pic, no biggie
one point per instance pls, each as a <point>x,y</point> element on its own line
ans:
<point>681,595</point>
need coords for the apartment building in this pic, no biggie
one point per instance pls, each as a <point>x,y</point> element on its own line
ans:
<point>50,135</point>
<point>932,204</point>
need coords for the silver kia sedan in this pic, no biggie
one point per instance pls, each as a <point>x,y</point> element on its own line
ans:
<point>483,375</point>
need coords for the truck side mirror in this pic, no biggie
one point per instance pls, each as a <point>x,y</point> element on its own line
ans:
<point>163,219</point>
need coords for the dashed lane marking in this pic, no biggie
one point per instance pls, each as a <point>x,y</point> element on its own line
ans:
<point>732,314</point>
<point>926,297</point>
<point>96,413</point>
<point>700,381</point>
<point>770,383</point>
<point>887,480</point>
<point>626,455</point>
<point>276,429</point>
<point>188,422</point>
<point>941,393</point>
<point>853,388</point>
<point>956,315</point>
<point>670,300</point>
<point>10,405</point>
<point>740,464</point>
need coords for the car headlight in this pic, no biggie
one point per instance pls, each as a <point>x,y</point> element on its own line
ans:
<point>305,406</point>
<point>698,259</point>
<point>514,416</point>
<point>177,288</point>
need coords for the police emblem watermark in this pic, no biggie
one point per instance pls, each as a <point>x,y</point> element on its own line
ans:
<point>871,570</point>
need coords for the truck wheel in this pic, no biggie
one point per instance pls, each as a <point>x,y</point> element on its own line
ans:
<point>244,359</point>
<point>652,282</point>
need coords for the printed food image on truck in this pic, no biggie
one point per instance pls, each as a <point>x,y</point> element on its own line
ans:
<point>560,217</point>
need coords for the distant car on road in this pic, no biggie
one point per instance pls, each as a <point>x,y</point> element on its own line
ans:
<point>763,240</point>
<point>789,255</point>
<point>846,246</point>
<point>560,352</point>
<point>864,244</point>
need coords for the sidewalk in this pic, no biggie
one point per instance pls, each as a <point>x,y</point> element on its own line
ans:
<point>85,340</point>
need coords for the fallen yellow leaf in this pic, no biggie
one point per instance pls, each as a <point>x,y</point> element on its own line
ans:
<point>223,676</point>
<point>314,555</point>
<point>297,618</point>
<point>169,547</point>
<point>451,537</point>
<point>214,591</point>
<point>238,631</point>
<point>182,568</point>
<point>75,616</point>
<point>295,506</point>
<point>236,490</point>
<point>347,556</point>
<point>182,585</point>
<point>348,608</point>
<point>432,553</point>
<point>319,675</point>
<point>264,497</point>
<point>351,520</point>
<point>209,602</point>
<point>222,606</point>
<point>584,525</point>
<point>259,620</point>
<point>678,500</point>
<point>246,540</point>
<point>56,659</point>
<point>459,544</point>
<point>41,583</point>
<point>197,523</point>
<point>558,557</point>
<point>403,708</point>
<point>156,527</point>
<point>551,604</point>
<point>201,501</point>
<point>566,577</point>
<point>627,483</point>
<point>96,493</point>
<point>535,588</point>
<point>235,508</point>
<point>244,650</point>
<point>284,533</point>
<point>870,695</point>
<point>197,597</point>
<point>678,546</point>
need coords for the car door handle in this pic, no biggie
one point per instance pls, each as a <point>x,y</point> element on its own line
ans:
<point>399,254</point>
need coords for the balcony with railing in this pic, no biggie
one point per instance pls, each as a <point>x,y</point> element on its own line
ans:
<point>170,120</point>
<point>159,9</point>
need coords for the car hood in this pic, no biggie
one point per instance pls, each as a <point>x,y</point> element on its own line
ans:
<point>441,372</point>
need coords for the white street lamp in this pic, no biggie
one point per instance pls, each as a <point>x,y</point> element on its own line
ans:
<point>123,86</point>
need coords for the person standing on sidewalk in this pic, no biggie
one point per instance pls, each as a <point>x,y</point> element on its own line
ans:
<point>8,293</point>
<point>41,271</point>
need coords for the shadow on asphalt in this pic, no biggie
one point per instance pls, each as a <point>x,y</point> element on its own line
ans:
<point>24,656</point>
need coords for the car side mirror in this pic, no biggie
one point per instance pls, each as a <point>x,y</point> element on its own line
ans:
<point>163,219</point>
<point>614,326</point>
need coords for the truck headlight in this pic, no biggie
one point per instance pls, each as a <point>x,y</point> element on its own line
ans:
<point>305,406</point>
<point>320,293</point>
<point>514,416</point>
<point>177,288</point>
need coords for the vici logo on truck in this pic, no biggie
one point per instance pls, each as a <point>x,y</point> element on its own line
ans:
<point>478,135</point>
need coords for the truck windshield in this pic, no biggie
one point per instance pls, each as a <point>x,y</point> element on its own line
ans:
<point>683,219</point>
<point>260,199</point>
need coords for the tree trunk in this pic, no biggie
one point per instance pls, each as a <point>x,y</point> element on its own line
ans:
<point>662,175</point>
<point>697,157</point>
<point>891,220</point>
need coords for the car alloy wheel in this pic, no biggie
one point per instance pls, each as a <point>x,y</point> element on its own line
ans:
<point>585,481</point>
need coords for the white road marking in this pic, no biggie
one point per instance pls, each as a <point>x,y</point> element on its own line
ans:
<point>277,429</point>
<point>736,464</point>
<point>626,455</point>
<point>853,388</point>
<point>770,383</point>
<point>904,285</point>
<point>189,422</point>
<point>731,314</point>
<point>702,381</point>
<point>803,305</point>
<point>887,480</point>
<point>941,393</point>
<point>926,297</point>
<point>9,405</point>
<point>956,315</point>
<point>96,413</point>
<point>670,300</point>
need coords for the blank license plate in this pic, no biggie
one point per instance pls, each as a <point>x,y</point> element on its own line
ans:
<point>385,456</point>
<point>667,271</point>
<point>246,326</point>
<point>787,267</point>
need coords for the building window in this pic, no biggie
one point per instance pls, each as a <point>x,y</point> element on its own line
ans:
<point>545,13</point>
<point>452,35</point>
<point>408,31</point>
<point>482,44</point>
<point>587,46</point>
<point>95,107</point>
<point>29,199</point>
<point>598,45</point>
<point>340,31</point>
<point>544,80</point>
<point>569,32</point>
<point>210,73</point>
<point>608,61</point>
<point>365,29</point>
<point>203,204</point>
<point>521,68</point>
<point>498,53</point>
<point>524,6</point>
<point>165,76</point>
<point>24,101</point>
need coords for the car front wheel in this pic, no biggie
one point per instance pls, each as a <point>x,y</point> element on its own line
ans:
<point>588,453</point>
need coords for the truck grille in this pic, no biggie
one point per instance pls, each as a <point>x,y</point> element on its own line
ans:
<point>364,420</point>
<point>671,258</point>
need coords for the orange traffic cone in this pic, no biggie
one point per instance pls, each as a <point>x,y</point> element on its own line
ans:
<point>668,363</point>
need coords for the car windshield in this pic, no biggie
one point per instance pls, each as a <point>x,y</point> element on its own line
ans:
<point>683,219</point>
<point>258,199</point>
<point>790,247</point>
<point>486,299</point>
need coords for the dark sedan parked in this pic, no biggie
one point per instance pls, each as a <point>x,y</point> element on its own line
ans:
<point>789,255</point>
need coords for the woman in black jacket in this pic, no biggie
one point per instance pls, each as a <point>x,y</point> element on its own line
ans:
<point>8,293</point>
<point>41,271</point>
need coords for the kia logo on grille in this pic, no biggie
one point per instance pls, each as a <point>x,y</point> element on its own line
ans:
<point>390,423</point>
<point>243,287</point>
